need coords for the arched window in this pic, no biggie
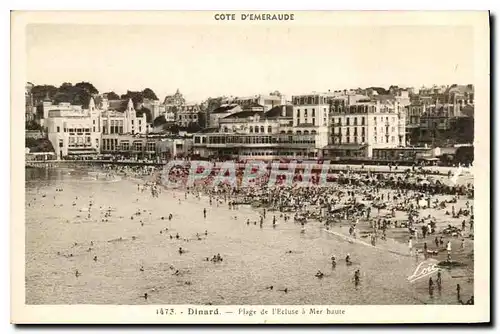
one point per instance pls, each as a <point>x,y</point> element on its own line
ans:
<point>282,131</point>
<point>289,132</point>
<point>306,132</point>
<point>269,129</point>
<point>261,129</point>
<point>299,132</point>
<point>313,132</point>
<point>251,129</point>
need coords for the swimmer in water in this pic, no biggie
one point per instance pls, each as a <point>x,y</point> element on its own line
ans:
<point>334,263</point>
<point>319,274</point>
<point>206,232</point>
<point>77,273</point>
<point>142,268</point>
<point>181,250</point>
<point>95,258</point>
<point>348,260</point>
<point>269,287</point>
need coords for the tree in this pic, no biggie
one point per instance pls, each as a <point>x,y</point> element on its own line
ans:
<point>87,87</point>
<point>159,121</point>
<point>149,115</point>
<point>79,94</point>
<point>149,94</point>
<point>43,91</point>
<point>38,145</point>
<point>275,93</point>
<point>112,96</point>
<point>136,97</point>
<point>32,125</point>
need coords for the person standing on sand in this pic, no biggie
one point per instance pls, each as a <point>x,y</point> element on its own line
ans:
<point>204,213</point>
<point>410,246</point>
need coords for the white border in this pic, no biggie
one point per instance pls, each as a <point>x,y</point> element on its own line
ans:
<point>254,4</point>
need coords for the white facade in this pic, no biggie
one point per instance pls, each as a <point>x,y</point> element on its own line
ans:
<point>76,131</point>
<point>311,116</point>
<point>375,124</point>
<point>114,122</point>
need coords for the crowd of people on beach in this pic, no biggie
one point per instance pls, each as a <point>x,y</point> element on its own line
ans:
<point>370,204</point>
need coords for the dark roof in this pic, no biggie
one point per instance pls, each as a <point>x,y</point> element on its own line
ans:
<point>276,111</point>
<point>223,109</point>
<point>245,114</point>
<point>254,105</point>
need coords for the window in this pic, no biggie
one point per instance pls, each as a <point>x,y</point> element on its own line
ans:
<point>58,129</point>
<point>375,139</point>
<point>305,112</point>
<point>93,129</point>
<point>362,121</point>
<point>93,121</point>
<point>251,129</point>
<point>313,113</point>
<point>298,113</point>
<point>256,129</point>
<point>347,132</point>
<point>356,131</point>
<point>355,121</point>
<point>392,139</point>
<point>347,121</point>
<point>314,121</point>
<point>347,139</point>
<point>269,129</point>
<point>393,129</point>
<point>363,139</point>
<point>363,131</point>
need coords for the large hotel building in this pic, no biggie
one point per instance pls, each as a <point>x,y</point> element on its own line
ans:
<point>318,125</point>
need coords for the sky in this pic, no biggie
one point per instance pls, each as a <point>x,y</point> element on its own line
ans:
<point>212,60</point>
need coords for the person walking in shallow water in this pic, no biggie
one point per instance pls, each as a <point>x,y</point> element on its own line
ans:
<point>204,213</point>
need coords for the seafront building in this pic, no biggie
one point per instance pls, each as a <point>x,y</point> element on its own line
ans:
<point>370,124</point>
<point>73,131</point>
<point>361,126</point>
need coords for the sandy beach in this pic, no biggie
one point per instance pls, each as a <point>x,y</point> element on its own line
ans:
<point>58,243</point>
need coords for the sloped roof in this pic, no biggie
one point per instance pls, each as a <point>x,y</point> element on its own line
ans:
<point>275,112</point>
<point>223,109</point>
<point>245,114</point>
